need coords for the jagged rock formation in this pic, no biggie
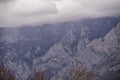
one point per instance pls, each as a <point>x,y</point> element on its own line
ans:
<point>101,55</point>
<point>92,45</point>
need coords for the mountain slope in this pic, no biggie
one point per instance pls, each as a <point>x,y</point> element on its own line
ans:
<point>91,44</point>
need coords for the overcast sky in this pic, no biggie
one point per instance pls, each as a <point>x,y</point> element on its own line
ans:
<point>32,12</point>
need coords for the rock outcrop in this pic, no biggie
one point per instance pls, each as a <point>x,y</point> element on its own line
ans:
<point>56,49</point>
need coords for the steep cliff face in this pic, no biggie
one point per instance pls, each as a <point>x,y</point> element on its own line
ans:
<point>111,63</point>
<point>91,44</point>
<point>101,55</point>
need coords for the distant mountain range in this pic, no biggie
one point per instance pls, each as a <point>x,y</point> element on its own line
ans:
<point>93,44</point>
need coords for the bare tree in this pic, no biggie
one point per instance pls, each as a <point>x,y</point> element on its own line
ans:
<point>80,74</point>
<point>39,75</point>
<point>5,74</point>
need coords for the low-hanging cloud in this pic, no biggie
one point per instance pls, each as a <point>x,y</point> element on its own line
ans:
<point>32,12</point>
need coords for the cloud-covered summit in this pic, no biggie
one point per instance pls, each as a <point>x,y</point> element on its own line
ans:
<point>30,12</point>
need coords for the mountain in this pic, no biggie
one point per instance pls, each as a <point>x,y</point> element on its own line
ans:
<point>55,48</point>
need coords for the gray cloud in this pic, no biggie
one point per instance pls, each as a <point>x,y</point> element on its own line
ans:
<point>2,1</point>
<point>32,12</point>
<point>5,1</point>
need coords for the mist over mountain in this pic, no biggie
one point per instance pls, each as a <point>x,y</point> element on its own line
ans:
<point>55,48</point>
<point>15,13</point>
